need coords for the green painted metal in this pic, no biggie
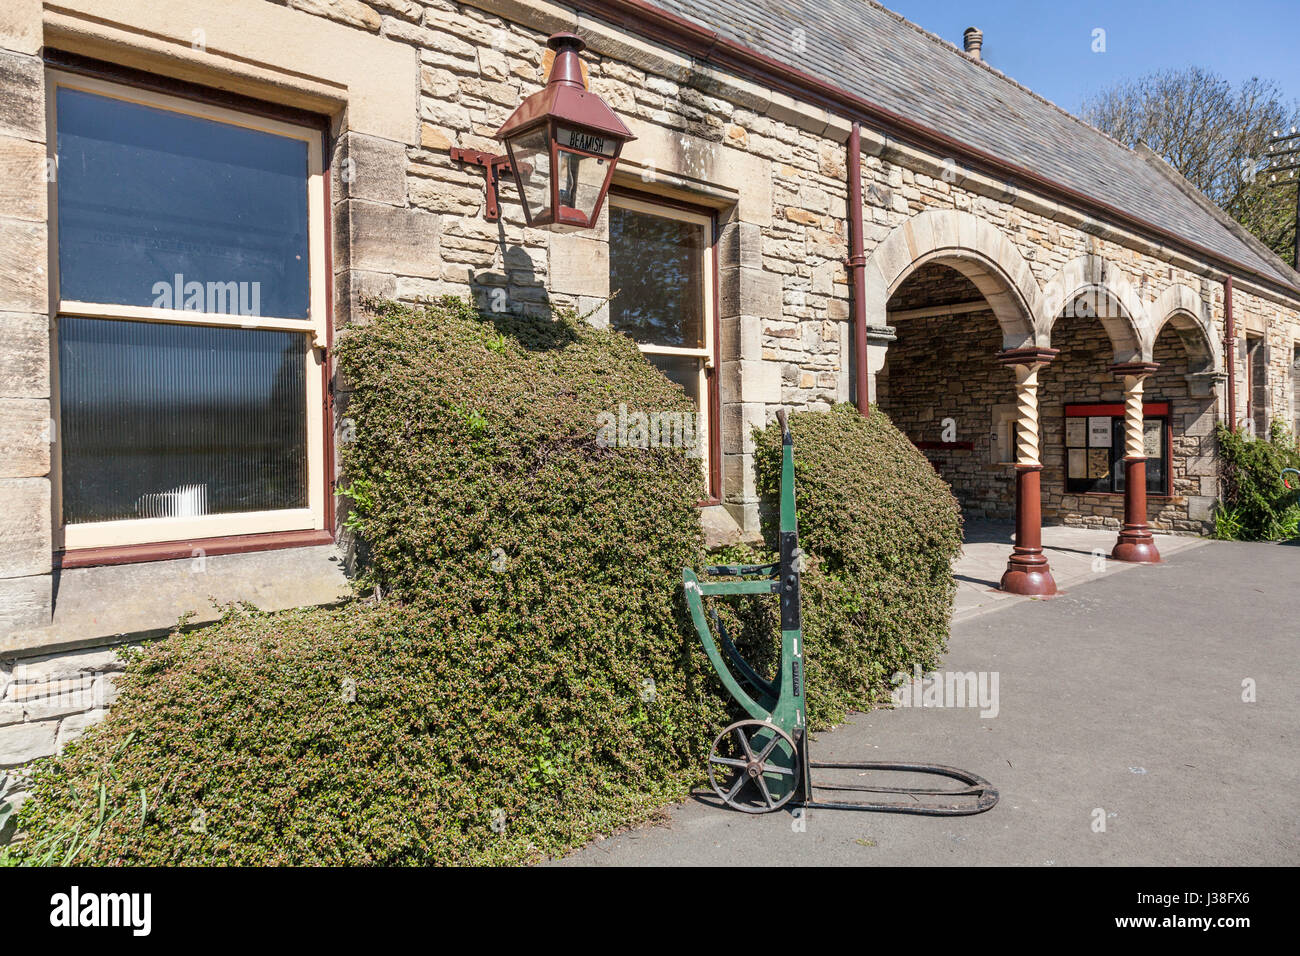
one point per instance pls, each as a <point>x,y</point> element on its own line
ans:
<point>769,752</point>
<point>780,701</point>
<point>783,708</point>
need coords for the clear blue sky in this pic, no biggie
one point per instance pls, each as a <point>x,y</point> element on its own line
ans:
<point>1047,44</point>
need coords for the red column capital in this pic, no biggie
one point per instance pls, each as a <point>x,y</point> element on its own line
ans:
<point>1135,369</point>
<point>1028,355</point>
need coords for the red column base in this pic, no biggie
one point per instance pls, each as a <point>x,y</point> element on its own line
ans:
<point>1136,545</point>
<point>1028,573</point>
<point>1027,570</point>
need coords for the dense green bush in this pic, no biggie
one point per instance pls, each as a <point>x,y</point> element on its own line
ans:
<point>530,654</point>
<point>529,677</point>
<point>1256,506</point>
<point>368,734</point>
<point>476,438</point>
<point>880,528</point>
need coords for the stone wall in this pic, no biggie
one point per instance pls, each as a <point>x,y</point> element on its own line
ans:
<point>1079,375</point>
<point>1279,333</point>
<point>409,220</point>
<point>44,703</point>
<point>25,427</point>
<point>1055,253</point>
<point>940,384</point>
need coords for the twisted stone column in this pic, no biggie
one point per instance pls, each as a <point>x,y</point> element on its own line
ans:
<point>1135,542</point>
<point>1027,569</point>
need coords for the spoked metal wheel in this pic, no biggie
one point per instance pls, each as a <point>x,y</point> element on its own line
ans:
<point>754,766</point>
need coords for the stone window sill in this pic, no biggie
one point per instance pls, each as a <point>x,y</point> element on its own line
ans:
<point>1120,494</point>
<point>122,602</point>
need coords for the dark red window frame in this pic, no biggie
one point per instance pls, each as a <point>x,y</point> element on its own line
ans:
<point>714,495</point>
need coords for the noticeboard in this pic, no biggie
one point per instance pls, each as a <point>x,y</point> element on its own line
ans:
<point>1094,447</point>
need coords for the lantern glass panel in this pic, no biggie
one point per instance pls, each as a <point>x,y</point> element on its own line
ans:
<point>581,179</point>
<point>530,154</point>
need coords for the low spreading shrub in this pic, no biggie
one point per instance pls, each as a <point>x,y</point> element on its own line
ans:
<point>1256,505</point>
<point>527,680</point>
<point>525,675</point>
<point>368,734</point>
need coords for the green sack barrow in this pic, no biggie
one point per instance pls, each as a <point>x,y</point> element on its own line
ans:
<point>761,764</point>
<point>1292,483</point>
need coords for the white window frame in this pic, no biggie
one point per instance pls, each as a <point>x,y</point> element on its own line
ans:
<point>707,354</point>
<point>161,530</point>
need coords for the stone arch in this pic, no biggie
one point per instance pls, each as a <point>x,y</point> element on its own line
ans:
<point>971,246</point>
<point>1189,314</point>
<point>1107,294</point>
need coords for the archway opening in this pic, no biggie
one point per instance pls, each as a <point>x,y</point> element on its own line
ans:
<point>1081,415</point>
<point>1081,405</point>
<point>943,388</point>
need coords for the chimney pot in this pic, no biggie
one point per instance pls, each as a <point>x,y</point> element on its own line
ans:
<point>973,39</point>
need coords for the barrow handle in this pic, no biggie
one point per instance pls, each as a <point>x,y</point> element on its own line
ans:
<point>783,417</point>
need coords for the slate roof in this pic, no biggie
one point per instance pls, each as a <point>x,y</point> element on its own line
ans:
<point>875,54</point>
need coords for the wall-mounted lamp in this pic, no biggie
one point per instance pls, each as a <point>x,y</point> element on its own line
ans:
<point>562,144</point>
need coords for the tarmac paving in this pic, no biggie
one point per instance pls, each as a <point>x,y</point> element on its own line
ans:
<point>1075,555</point>
<point>1148,716</point>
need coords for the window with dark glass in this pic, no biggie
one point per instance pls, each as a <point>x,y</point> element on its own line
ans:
<point>147,194</point>
<point>660,277</point>
<point>657,269</point>
<point>188,386</point>
<point>180,420</point>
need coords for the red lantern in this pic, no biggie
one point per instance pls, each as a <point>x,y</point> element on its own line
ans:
<point>562,144</point>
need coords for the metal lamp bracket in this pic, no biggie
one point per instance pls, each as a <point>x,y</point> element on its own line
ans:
<point>494,166</point>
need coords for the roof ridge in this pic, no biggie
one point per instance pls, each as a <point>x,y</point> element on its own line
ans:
<point>984,64</point>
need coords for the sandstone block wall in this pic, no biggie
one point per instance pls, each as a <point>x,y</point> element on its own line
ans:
<point>25,426</point>
<point>941,384</point>
<point>46,702</point>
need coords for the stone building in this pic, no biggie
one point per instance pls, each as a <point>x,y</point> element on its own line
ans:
<point>195,197</point>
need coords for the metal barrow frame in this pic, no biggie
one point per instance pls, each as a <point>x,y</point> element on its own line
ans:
<point>771,752</point>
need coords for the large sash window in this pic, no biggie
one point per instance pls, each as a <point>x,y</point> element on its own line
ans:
<point>662,279</point>
<point>189,278</point>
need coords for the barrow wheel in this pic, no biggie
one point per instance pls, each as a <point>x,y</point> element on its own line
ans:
<point>753,767</point>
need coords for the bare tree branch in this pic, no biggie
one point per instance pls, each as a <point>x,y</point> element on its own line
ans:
<point>1214,135</point>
